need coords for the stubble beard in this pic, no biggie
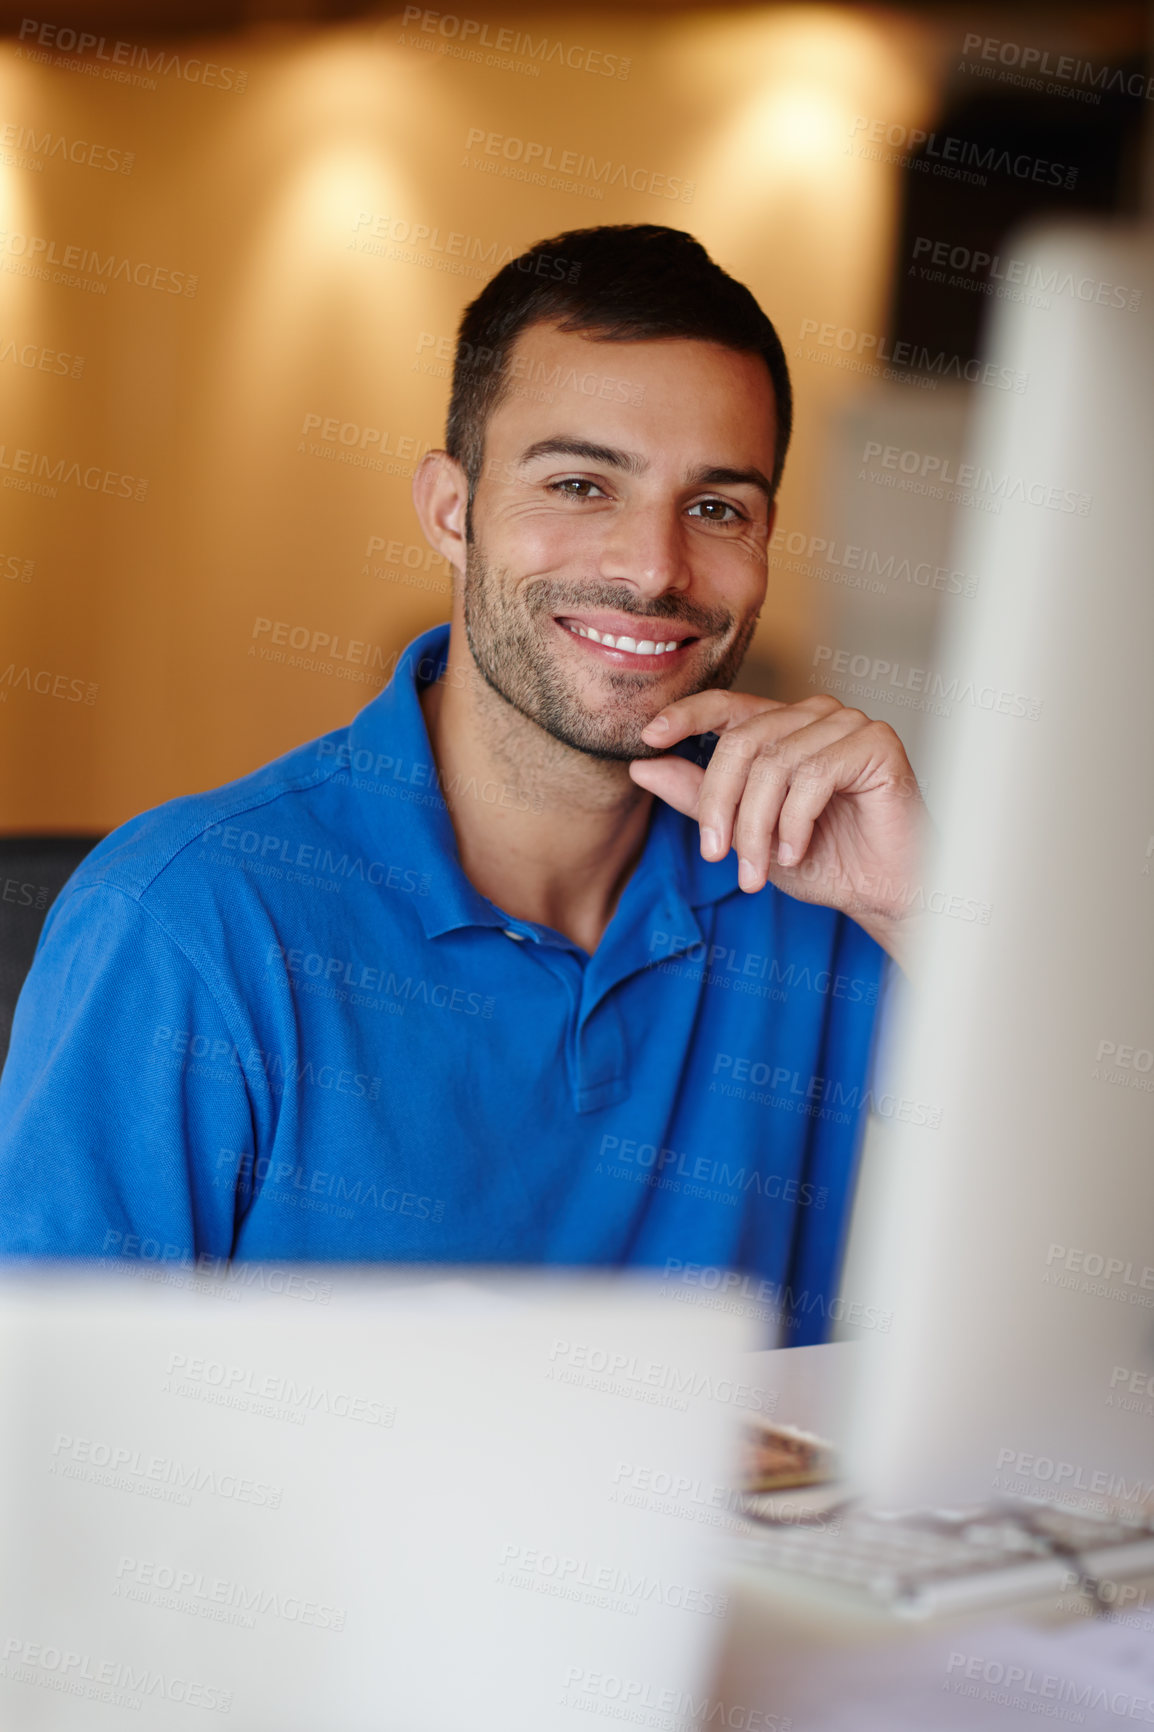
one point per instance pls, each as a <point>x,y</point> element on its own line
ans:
<point>509,641</point>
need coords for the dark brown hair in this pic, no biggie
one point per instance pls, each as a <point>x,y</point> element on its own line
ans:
<point>623,283</point>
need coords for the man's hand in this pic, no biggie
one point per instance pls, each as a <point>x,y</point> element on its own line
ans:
<point>817,799</point>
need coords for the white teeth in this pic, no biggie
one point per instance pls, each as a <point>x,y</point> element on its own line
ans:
<point>647,647</point>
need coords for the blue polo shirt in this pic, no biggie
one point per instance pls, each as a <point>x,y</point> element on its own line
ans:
<point>276,1021</point>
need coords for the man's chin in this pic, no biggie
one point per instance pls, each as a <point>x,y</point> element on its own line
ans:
<point>597,733</point>
<point>641,750</point>
<point>607,748</point>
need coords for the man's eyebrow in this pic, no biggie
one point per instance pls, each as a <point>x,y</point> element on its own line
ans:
<point>606,455</point>
<point>722,477</point>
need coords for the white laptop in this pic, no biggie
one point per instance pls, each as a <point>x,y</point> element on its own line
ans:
<point>366,1500</point>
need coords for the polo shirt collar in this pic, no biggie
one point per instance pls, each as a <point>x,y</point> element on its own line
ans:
<point>391,764</point>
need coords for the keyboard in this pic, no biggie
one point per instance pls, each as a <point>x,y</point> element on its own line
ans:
<point>917,1564</point>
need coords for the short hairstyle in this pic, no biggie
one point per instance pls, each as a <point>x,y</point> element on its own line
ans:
<point>622,283</point>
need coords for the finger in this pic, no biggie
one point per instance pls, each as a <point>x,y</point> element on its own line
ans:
<point>711,712</point>
<point>808,796</point>
<point>722,787</point>
<point>679,783</point>
<point>727,773</point>
<point>776,769</point>
<point>716,711</point>
<point>673,780</point>
<point>863,761</point>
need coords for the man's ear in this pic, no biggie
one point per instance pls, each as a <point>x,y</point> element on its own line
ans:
<point>440,498</point>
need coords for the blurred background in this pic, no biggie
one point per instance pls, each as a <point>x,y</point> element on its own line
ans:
<point>235,242</point>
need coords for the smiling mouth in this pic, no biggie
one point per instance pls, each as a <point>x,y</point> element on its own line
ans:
<point>652,649</point>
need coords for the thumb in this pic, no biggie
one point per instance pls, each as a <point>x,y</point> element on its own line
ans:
<point>673,780</point>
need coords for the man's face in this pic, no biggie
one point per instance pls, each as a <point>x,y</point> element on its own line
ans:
<point>618,557</point>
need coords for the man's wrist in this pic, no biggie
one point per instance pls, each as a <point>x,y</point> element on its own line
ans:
<point>896,934</point>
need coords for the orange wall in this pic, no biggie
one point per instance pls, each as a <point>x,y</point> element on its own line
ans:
<point>269,197</point>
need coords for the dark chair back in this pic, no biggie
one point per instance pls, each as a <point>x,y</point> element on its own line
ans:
<point>33,871</point>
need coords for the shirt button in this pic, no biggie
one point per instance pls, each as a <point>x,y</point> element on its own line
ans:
<point>518,936</point>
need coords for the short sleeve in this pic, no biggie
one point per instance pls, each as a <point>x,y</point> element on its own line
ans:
<point>122,1102</point>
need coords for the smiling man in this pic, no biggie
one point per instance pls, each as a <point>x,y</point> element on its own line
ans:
<point>562,951</point>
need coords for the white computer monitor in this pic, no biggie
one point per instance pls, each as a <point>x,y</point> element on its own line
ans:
<point>1013,1238</point>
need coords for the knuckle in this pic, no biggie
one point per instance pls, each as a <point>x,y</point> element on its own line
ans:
<point>817,771</point>
<point>733,750</point>
<point>751,843</point>
<point>769,770</point>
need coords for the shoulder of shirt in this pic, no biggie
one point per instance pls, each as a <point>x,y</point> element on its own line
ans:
<point>132,857</point>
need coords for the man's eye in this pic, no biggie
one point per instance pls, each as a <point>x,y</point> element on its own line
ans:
<point>714,511</point>
<point>575,487</point>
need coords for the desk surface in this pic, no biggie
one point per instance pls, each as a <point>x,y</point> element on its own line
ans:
<point>811,1383</point>
<point>784,1659</point>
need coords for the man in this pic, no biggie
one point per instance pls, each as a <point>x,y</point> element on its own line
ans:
<point>510,969</point>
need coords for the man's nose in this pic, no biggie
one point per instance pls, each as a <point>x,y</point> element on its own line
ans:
<point>645,546</point>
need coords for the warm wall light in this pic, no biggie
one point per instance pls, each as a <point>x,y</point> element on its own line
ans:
<point>305,304</point>
<point>798,125</point>
<point>349,122</point>
<point>298,274</point>
<point>772,99</point>
<point>316,299</point>
<point>783,189</point>
<point>17,218</point>
<point>806,74</point>
<point>785,196</point>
